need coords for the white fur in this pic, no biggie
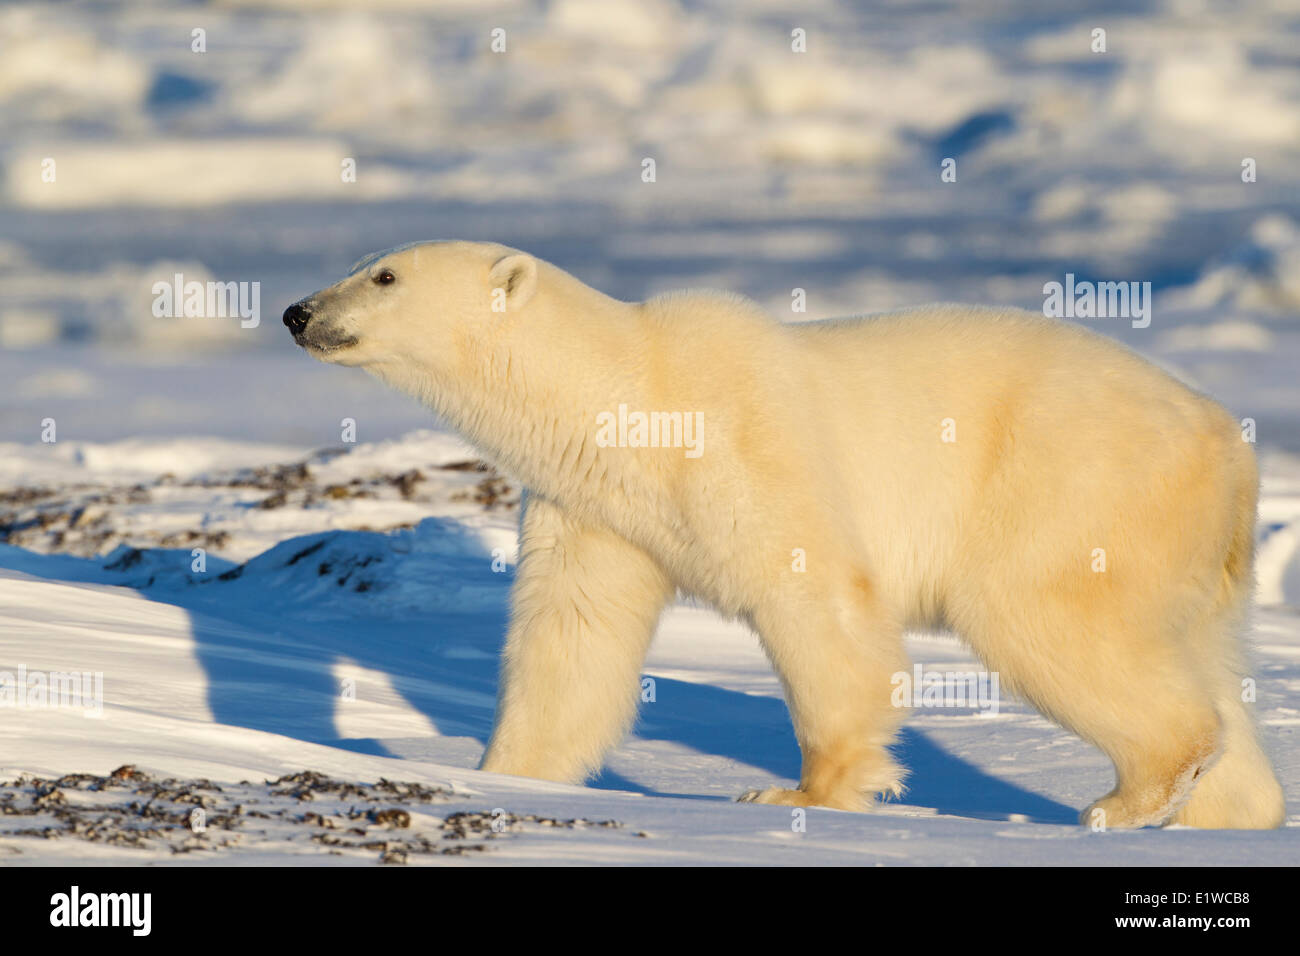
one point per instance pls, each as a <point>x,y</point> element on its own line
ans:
<point>828,438</point>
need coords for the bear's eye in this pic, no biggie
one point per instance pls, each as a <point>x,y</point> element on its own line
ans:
<point>385,278</point>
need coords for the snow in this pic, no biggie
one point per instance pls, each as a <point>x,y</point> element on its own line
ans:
<point>775,171</point>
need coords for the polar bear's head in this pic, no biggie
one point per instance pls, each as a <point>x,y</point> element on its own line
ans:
<point>426,303</point>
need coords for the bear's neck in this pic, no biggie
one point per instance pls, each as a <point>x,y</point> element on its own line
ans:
<point>535,394</point>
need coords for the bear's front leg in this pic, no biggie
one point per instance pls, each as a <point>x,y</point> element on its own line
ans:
<point>836,649</point>
<point>584,608</point>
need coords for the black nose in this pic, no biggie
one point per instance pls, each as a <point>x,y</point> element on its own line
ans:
<point>296,318</point>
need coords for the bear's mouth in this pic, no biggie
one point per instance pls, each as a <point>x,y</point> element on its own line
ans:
<point>314,345</point>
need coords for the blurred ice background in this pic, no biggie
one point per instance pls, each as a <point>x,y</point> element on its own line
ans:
<point>775,170</point>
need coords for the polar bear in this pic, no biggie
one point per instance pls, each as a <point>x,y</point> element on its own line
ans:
<point>1084,521</point>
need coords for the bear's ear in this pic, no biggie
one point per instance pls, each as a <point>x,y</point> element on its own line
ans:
<point>516,276</point>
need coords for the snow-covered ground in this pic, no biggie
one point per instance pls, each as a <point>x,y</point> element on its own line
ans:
<point>382,566</point>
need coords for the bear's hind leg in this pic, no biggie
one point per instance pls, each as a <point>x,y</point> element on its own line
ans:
<point>584,608</point>
<point>1240,791</point>
<point>836,654</point>
<point>1156,776</point>
<point>1118,679</point>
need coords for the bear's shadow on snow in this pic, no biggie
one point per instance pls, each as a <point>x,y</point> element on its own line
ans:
<point>271,667</point>
<point>756,731</point>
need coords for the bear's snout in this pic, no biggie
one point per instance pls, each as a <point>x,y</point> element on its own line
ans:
<point>296,317</point>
